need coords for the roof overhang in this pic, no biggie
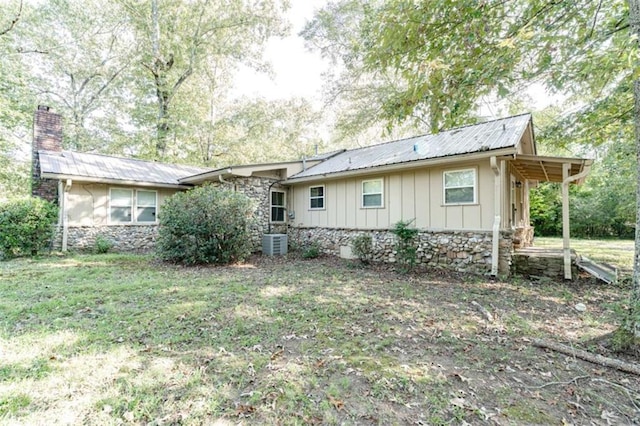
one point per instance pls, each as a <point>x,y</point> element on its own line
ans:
<point>75,178</point>
<point>429,162</point>
<point>245,171</point>
<point>549,169</point>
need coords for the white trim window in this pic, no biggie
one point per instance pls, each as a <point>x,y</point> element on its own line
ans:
<point>132,206</point>
<point>316,197</point>
<point>459,186</point>
<point>372,193</point>
<point>278,206</point>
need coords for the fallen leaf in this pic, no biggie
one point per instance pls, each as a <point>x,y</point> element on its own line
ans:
<point>276,354</point>
<point>337,404</point>
<point>462,378</point>
<point>245,410</point>
<point>128,416</point>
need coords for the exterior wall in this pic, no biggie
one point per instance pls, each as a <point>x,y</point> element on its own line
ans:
<point>125,238</point>
<point>88,210</point>
<point>87,215</point>
<point>457,250</point>
<point>413,194</point>
<point>258,189</point>
<point>88,203</point>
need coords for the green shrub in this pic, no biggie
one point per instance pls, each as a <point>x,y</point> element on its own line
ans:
<point>205,225</point>
<point>311,250</point>
<point>362,247</point>
<point>405,246</point>
<point>103,244</point>
<point>26,226</point>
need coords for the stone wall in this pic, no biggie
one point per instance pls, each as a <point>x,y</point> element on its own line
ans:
<point>125,238</point>
<point>456,250</point>
<point>257,188</point>
<point>539,262</point>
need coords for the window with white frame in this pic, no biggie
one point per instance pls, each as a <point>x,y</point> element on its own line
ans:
<point>372,193</point>
<point>460,186</point>
<point>132,206</point>
<point>316,197</point>
<point>278,206</point>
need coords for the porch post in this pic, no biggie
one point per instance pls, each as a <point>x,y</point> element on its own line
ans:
<point>566,168</point>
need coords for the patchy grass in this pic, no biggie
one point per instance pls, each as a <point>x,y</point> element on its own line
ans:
<point>618,253</point>
<point>112,339</point>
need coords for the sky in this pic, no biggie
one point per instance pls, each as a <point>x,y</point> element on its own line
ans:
<point>298,72</point>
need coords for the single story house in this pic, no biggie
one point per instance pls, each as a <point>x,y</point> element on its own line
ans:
<point>466,190</point>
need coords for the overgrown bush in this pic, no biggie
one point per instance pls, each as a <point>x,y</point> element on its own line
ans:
<point>26,226</point>
<point>362,247</point>
<point>205,225</point>
<point>405,246</point>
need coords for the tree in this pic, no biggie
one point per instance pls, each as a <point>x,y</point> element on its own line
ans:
<point>633,323</point>
<point>179,39</point>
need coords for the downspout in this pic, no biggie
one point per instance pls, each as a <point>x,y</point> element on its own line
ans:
<point>566,246</point>
<point>269,203</point>
<point>495,243</point>
<point>65,216</point>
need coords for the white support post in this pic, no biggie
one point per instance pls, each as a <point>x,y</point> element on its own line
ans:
<point>566,248</point>
<point>65,218</point>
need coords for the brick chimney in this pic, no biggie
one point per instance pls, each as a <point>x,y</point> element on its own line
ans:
<point>47,136</point>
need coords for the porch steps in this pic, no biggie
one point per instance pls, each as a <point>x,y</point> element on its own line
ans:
<point>602,271</point>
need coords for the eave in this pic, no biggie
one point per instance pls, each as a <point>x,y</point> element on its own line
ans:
<point>76,178</point>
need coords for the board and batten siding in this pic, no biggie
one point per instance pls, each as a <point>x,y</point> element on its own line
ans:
<point>88,203</point>
<point>412,194</point>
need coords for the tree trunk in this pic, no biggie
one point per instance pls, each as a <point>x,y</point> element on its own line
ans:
<point>633,325</point>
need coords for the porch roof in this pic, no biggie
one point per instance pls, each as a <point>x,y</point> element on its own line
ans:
<point>549,169</point>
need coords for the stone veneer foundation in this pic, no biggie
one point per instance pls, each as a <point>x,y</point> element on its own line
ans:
<point>125,238</point>
<point>457,250</point>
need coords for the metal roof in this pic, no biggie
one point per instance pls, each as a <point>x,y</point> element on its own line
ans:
<point>70,164</point>
<point>491,135</point>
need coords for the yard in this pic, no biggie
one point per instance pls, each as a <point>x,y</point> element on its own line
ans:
<point>115,339</point>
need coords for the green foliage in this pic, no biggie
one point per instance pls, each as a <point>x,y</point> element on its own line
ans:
<point>26,226</point>
<point>362,246</point>
<point>406,245</point>
<point>205,225</point>
<point>102,244</point>
<point>311,250</point>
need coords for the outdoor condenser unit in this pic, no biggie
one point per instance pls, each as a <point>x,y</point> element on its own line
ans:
<point>274,244</point>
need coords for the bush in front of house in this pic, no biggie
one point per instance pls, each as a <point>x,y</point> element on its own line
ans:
<point>26,226</point>
<point>205,225</point>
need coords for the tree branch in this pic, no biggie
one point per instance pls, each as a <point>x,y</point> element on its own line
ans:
<point>13,22</point>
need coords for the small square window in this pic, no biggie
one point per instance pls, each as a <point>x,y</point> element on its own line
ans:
<point>372,193</point>
<point>316,197</point>
<point>460,187</point>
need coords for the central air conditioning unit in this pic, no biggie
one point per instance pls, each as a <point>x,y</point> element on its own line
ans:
<point>274,244</point>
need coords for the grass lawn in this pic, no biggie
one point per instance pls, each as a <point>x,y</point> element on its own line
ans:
<point>115,339</point>
<point>614,252</point>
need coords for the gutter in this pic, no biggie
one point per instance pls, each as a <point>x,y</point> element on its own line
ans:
<point>64,177</point>
<point>495,242</point>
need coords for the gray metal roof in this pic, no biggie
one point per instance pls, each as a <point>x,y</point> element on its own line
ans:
<point>496,134</point>
<point>96,167</point>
